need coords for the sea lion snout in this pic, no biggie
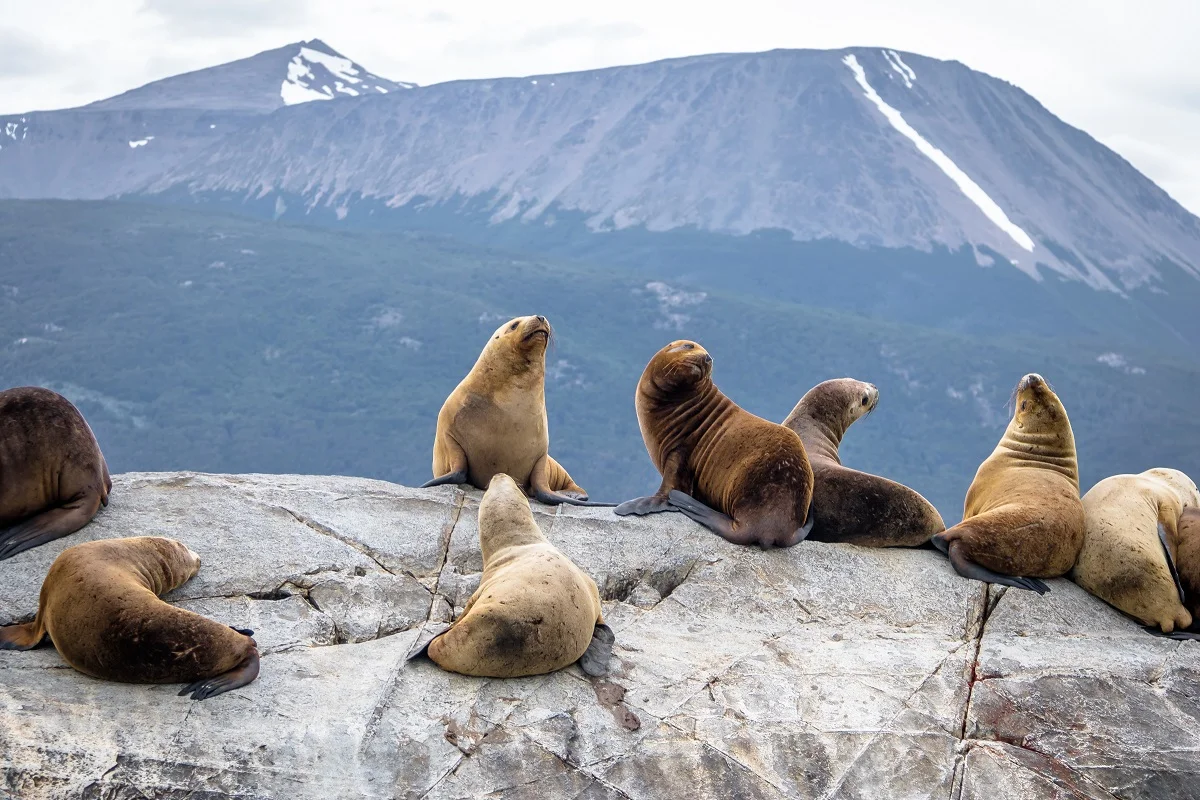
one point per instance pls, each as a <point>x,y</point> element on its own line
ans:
<point>1031,381</point>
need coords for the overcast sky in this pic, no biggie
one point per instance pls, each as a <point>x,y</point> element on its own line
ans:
<point>1126,72</point>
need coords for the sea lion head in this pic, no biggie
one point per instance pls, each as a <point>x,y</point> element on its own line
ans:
<point>1183,486</point>
<point>522,339</point>
<point>164,564</point>
<point>1037,408</point>
<point>840,402</point>
<point>505,519</point>
<point>679,368</point>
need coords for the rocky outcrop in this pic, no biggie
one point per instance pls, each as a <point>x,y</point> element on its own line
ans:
<point>816,672</point>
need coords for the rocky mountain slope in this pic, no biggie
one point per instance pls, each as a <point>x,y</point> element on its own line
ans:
<point>115,145</point>
<point>819,671</point>
<point>866,146</point>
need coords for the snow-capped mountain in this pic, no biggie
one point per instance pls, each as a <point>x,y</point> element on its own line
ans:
<point>296,73</point>
<point>118,144</point>
<point>867,146</point>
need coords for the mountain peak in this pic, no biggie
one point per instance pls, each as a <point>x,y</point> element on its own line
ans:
<point>295,73</point>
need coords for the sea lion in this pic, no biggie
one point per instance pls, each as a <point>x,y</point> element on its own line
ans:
<point>1186,552</point>
<point>100,607</point>
<point>848,505</point>
<point>1131,523</point>
<point>53,478</point>
<point>1022,516</point>
<point>745,478</point>
<point>495,420</point>
<point>534,611</point>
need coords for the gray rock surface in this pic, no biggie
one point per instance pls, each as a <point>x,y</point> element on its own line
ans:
<point>816,672</point>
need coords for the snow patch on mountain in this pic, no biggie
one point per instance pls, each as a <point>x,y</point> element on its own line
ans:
<point>1120,363</point>
<point>311,68</point>
<point>897,64</point>
<point>971,189</point>
<point>136,143</point>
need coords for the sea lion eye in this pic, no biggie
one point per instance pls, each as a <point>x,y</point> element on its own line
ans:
<point>1024,404</point>
<point>513,327</point>
<point>866,399</point>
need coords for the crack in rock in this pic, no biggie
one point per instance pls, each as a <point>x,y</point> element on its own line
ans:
<point>325,530</point>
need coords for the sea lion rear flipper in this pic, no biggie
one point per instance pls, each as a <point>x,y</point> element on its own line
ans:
<point>1177,635</point>
<point>594,660</point>
<point>241,675</point>
<point>50,525</point>
<point>1166,546</point>
<point>641,506</point>
<point>715,521</point>
<point>969,569</point>
<point>428,633</point>
<point>23,637</point>
<point>244,631</point>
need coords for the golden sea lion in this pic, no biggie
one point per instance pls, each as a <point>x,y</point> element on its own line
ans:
<point>495,420</point>
<point>1131,523</point>
<point>745,478</point>
<point>848,505</point>
<point>534,611</point>
<point>100,608</point>
<point>53,478</point>
<point>1023,516</point>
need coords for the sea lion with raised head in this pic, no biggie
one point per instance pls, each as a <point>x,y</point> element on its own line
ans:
<point>745,478</point>
<point>100,608</point>
<point>848,505</point>
<point>1023,519</point>
<point>1132,525</point>
<point>495,420</point>
<point>53,478</point>
<point>534,612</point>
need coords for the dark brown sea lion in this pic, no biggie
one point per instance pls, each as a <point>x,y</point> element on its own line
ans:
<point>745,478</point>
<point>1023,516</point>
<point>848,505</point>
<point>495,420</point>
<point>534,611</point>
<point>100,607</point>
<point>53,478</point>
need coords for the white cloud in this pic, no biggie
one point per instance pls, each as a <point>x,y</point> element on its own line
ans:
<point>1124,74</point>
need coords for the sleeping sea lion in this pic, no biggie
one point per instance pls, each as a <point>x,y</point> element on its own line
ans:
<point>100,608</point>
<point>1132,525</point>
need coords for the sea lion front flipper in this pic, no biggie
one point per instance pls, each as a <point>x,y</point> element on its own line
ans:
<point>546,497</point>
<point>50,525</point>
<point>543,478</point>
<point>594,660</point>
<point>972,571</point>
<point>244,631</point>
<point>1166,546</point>
<point>428,633</point>
<point>241,675</point>
<point>451,478</point>
<point>28,636</point>
<point>641,506</point>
